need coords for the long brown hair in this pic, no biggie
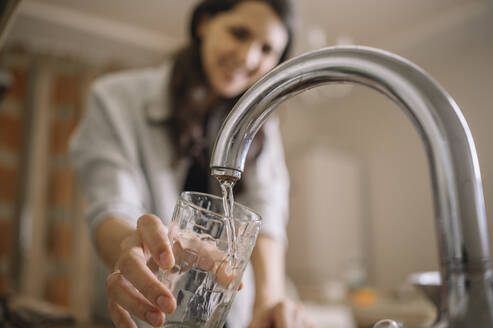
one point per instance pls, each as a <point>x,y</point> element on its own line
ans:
<point>189,91</point>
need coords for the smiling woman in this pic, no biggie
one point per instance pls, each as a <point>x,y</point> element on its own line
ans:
<point>229,51</point>
<point>153,129</point>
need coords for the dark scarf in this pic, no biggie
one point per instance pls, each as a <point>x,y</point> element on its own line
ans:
<point>198,173</point>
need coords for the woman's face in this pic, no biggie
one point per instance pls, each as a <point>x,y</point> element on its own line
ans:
<point>240,45</point>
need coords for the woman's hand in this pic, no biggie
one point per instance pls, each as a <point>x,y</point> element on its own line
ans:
<point>284,314</point>
<point>272,308</point>
<point>133,288</point>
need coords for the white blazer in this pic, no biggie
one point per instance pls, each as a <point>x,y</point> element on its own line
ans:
<point>122,160</point>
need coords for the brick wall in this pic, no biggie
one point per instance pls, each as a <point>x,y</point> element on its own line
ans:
<point>37,116</point>
<point>12,123</point>
<point>65,104</point>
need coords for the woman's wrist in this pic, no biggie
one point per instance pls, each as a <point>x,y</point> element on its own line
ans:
<point>109,234</point>
<point>268,265</point>
<point>261,304</point>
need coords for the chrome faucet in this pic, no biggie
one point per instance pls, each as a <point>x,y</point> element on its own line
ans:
<point>467,297</point>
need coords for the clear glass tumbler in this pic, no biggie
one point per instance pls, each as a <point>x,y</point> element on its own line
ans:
<point>208,268</point>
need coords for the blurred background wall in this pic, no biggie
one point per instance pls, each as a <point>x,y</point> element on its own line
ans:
<point>394,201</point>
<point>361,210</point>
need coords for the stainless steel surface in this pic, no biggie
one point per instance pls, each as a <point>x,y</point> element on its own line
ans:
<point>387,324</point>
<point>467,299</point>
<point>429,283</point>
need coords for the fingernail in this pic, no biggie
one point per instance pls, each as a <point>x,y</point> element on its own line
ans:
<point>166,259</point>
<point>164,304</point>
<point>154,318</point>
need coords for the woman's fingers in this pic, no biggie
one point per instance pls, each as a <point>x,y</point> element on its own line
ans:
<point>154,236</point>
<point>119,316</point>
<point>289,314</point>
<point>280,315</point>
<point>133,266</point>
<point>134,289</point>
<point>224,273</point>
<point>125,299</point>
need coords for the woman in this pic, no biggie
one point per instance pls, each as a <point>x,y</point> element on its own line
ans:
<point>146,137</point>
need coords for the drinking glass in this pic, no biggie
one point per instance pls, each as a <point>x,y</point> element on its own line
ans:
<point>211,252</point>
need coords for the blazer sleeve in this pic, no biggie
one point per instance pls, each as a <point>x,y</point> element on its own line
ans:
<point>267,185</point>
<point>105,160</point>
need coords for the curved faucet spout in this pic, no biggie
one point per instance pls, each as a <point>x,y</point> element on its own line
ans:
<point>457,189</point>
